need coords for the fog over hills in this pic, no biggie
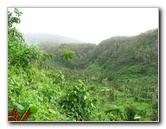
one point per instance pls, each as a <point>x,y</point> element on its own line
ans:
<point>35,38</point>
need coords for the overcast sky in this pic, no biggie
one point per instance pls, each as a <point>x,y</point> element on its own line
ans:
<point>89,24</point>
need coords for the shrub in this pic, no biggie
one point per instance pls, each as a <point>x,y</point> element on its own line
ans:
<point>77,103</point>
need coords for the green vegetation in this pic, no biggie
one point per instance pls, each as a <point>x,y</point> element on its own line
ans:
<point>116,80</point>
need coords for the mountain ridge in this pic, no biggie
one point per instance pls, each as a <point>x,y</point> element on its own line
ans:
<point>36,38</point>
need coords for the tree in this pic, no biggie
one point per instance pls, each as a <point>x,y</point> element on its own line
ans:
<point>13,34</point>
<point>19,53</point>
<point>66,54</point>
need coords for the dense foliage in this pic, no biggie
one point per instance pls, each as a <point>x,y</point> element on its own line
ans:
<point>116,80</point>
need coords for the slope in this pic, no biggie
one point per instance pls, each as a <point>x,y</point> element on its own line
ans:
<point>31,38</point>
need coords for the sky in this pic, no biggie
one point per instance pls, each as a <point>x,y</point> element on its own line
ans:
<point>89,24</point>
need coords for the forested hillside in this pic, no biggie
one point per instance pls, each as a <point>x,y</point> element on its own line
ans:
<point>115,80</point>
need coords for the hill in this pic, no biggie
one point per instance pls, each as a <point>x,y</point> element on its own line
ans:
<point>36,38</point>
<point>134,55</point>
<point>131,56</point>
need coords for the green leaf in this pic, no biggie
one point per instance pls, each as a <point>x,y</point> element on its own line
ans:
<point>18,106</point>
<point>25,104</point>
<point>52,111</point>
<point>75,100</point>
<point>85,97</point>
<point>33,109</point>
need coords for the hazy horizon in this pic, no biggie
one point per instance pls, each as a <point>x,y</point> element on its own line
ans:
<point>84,41</point>
<point>88,24</point>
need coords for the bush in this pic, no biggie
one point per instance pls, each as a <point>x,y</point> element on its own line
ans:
<point>77,104</point>
<point>130,112</point>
